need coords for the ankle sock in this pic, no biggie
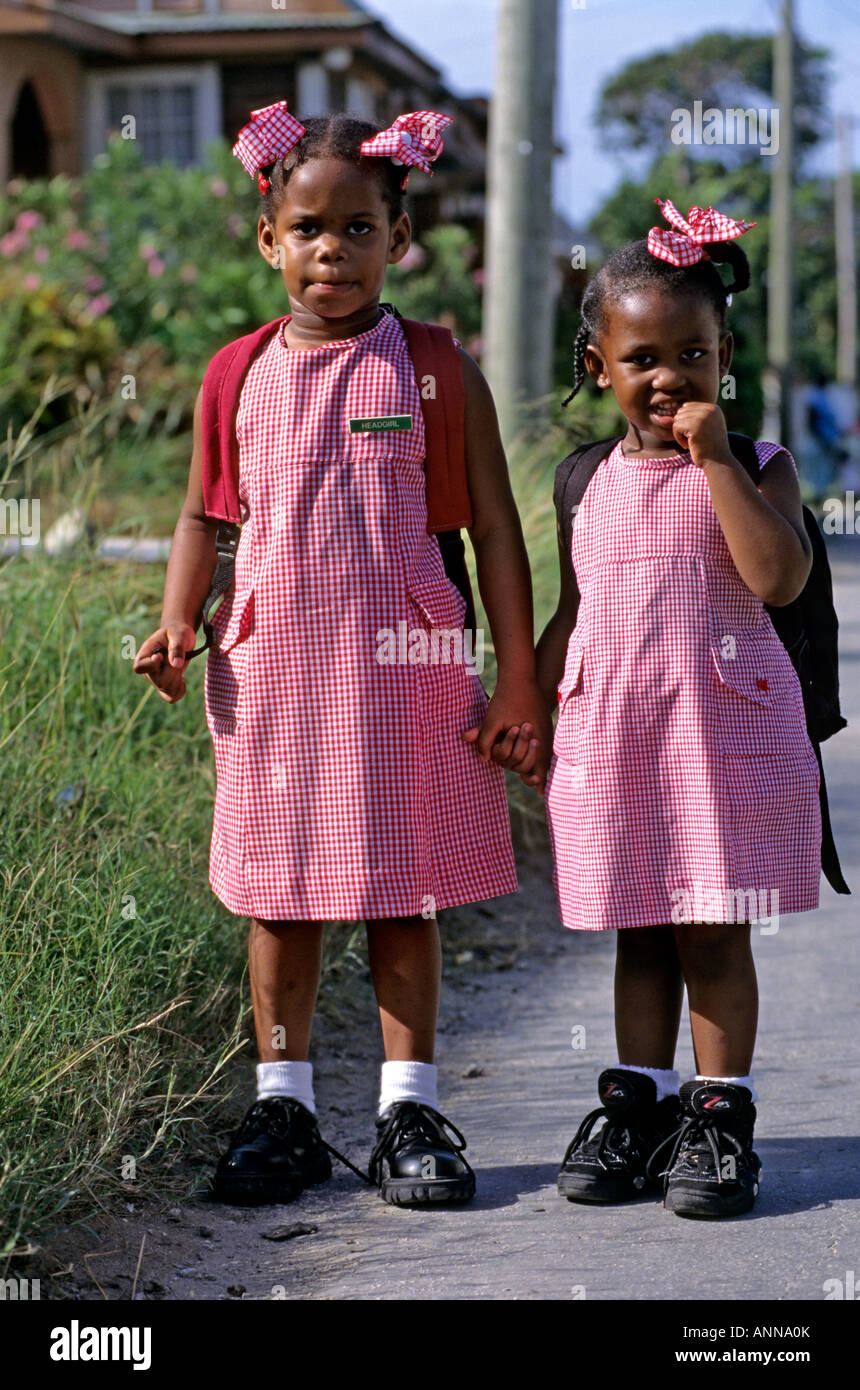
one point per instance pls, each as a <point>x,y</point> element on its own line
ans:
<point>732,1081</point>
<point>295,1079</point>
<point>408,1081</point>
<point>667,1082</point>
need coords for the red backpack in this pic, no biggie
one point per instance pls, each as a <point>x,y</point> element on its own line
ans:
<point>440,387</point>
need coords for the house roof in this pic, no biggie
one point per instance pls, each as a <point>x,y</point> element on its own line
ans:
<point>166,21</point>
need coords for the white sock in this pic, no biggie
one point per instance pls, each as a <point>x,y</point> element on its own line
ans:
<point>408,1081</point>
<point>667,1082</point>
<point>732,1081</point>
<point>294,1079</point>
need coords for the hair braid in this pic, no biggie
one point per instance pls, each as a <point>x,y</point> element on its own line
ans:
<point>580,343</point>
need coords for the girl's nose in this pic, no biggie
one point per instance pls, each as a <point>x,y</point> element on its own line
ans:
<point>330,248</point>
<point>666,378</point>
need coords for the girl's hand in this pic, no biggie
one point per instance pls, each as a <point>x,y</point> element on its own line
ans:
<point>701,428</point>
<point>516,733</point>
<point>165,668</point>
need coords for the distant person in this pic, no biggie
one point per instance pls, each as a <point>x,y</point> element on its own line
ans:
<point>825,432</point>
<point>346,788</point>
<point>683,778</point>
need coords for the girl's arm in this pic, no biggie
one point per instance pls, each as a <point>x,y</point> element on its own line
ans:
<point>763,525</point>
<point>189,575</point>
<point>552,647</point>
<point>504,581</point>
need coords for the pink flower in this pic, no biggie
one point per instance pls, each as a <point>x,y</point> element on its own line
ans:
<point>234,224</point>
<point>77,240</point>
<point>218,188</point>
<point>188,274</point>
<point>98,306</point>
<point>148,250</point>
<point>478,277</point>
<point>41,255</point>
<point>26,221</point>
<point>415,257</point>
<point>155,266</point>
<point>94,283</point>
<point>32,281</point>
<point>12,243</point>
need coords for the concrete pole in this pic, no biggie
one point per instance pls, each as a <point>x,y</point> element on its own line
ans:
<point>780,286</point>
<point>520,278</point>
<point>846,267</point>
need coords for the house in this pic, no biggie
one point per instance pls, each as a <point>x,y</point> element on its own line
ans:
<point>190,71</point>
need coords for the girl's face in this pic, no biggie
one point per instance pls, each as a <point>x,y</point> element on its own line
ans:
<point>657,351</point>
<point>334,239</point>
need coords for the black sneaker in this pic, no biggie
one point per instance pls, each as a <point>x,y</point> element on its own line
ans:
<point>611,1166</point>
<point>276,1153</point>
<point>414,1162</point>
<point>709,1167</point>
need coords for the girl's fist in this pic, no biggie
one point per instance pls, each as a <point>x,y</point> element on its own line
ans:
<point>162,660</point>
<point>701,427</point>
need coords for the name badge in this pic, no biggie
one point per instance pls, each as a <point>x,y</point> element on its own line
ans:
<point>372,423</point>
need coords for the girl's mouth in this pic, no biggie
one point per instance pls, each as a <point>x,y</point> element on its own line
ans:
<point>333,286</point>
<point>664,412</point>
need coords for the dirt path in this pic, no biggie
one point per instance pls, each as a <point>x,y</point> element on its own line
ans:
<point>510,1078</point>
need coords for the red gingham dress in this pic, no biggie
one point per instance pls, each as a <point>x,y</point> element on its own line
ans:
<point>682,773</point>
<point>343,789</point>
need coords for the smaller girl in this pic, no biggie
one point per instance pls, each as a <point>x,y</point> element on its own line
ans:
<point>682,797</point>
<point>347,788</point>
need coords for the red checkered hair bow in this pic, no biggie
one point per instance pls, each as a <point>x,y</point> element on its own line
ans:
<point>685,246</point>
<point>413,139</point>
<point>269,135</point>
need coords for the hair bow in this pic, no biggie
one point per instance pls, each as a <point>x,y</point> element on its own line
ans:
<point>269,135</point>
<point>413,139</point>
<point>685,246</point>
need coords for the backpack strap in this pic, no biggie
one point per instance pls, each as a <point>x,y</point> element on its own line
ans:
<point>222,385</point>
<point>572,477</point>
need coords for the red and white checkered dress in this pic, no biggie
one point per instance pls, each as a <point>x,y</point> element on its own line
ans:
<point>682,773</point>
<point>343,789</point>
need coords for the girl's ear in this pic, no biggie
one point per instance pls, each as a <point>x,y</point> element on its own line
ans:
<point>595,365</point>
<point>727,347</point>
<point>266,239</point>
<point>400,239</point>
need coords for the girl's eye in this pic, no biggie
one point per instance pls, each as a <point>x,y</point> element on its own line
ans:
<point>360,227</point>
<point>693,353</point>
<point>305,228</point>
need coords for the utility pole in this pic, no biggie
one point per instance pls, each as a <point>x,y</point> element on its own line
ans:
<point>780,286</point>
<point>846,270</point>
<point>519,287</point>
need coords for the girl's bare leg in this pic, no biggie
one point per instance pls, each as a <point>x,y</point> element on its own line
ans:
<point>719,972</point>
<point>649,991</point>
<point>284,960</point>
<point>406,966</point>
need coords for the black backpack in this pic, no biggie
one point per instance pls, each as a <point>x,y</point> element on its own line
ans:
<point>807,627</point>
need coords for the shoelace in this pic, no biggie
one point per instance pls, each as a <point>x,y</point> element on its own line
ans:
<point>409,1120</point>
<point>694,1127</point>
<point>263,1116</point>
<point>612,1127</point>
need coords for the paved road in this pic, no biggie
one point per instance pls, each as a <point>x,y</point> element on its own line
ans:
<point>518,1240</point>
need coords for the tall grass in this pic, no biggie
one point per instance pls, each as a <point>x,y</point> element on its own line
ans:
<point>122,979</point>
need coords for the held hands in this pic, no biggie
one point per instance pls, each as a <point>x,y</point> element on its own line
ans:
<point>516,733</point>
<point>161,659</point>
<point>701,428</point>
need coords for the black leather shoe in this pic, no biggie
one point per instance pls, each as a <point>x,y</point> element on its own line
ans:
<point>611,1166</point>
<point>415,1162</point>
<point>709,1165</point>
<point>276,1153</point>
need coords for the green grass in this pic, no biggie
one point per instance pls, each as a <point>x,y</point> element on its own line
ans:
<point>123,980</point>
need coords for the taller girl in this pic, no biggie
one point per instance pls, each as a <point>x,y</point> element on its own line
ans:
<point>345,786</point>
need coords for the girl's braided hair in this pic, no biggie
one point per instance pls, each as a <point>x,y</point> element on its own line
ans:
<point>633,267</point>
<point>333,137</point>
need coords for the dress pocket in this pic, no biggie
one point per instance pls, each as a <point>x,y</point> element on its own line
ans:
<point>759,707</point>
<point>233,624</point>
<point>567,742</point>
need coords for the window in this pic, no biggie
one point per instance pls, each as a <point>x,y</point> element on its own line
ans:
<point>176,109</point>
<point>164,117</point>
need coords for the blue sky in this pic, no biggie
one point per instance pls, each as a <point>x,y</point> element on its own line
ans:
<point>459,37</point>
